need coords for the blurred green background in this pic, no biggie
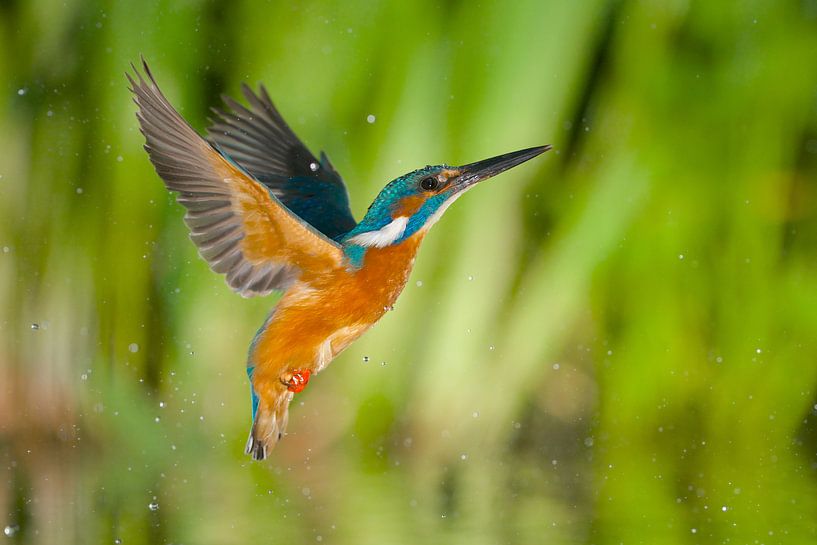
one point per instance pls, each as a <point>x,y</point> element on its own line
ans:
<point>615,343</point>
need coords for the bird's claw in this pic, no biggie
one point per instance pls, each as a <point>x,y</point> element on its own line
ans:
<point>297,381</point>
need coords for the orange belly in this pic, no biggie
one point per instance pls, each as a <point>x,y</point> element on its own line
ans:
<point>318,318</point>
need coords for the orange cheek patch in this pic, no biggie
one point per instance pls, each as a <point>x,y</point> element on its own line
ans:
<point>407,206</point>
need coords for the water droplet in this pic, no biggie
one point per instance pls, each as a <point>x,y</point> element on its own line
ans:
<point>492,348</point>
<point>119,158</point>
<point>588,441</point>
<point>470,277</point>
<point>84,376</point>
<point>370,118</point>
<point>79,191</point>
<point>313,166</point>
<point>419,283</point>
<point>383,363</point>
<point>681,256</point>
<point>365,359</point>
<point>162,405</point>
<point>475,414</point>
<point>463,456</point>
<point>21,91</point>
<point>10,530</point>
<point>759,351</point>
<point>694,530</point>
<point>35,326</point>
<point>724,508</point>
<point>157,419</point>
<point>555,366</point>
<point>133,348</point>
<point>153,506</point>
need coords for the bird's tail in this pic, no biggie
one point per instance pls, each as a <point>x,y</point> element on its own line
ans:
<point>270,416</point>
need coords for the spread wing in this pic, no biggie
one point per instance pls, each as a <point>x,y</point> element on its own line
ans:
<point>259,140</point>
<point>240,228</point>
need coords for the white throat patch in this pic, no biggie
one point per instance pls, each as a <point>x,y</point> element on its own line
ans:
<point>434,218</point>
<point>383,236</point>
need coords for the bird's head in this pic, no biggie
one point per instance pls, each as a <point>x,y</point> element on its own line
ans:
<point>415,201</point>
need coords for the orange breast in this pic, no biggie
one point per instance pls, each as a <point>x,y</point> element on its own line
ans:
<point>315,321</point>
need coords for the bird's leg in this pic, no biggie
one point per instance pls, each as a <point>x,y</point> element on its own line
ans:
<point>296,381</point>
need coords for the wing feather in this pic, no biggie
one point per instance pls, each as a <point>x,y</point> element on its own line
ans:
<point>240,228</point>
<point>260,141</point>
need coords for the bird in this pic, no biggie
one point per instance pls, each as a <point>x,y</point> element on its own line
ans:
<point>270,216</point>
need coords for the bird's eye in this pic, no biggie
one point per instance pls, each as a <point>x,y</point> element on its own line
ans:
<point>429,184</point>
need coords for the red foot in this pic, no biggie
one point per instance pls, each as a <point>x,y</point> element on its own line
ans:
<point>298,381</point>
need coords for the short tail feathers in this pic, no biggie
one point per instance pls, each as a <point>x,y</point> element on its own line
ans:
<point>269,425</point>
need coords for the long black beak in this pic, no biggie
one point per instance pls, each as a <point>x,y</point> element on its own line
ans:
<point>482,170</point>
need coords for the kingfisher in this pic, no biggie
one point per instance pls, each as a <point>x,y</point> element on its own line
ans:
<point>270,216</point>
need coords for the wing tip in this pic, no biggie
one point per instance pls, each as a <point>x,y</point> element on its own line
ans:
<point>134,71</point>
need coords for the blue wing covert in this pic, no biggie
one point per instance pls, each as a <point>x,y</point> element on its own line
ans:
<point>261,142</point>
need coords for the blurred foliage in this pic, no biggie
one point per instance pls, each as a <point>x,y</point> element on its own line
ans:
<point>616,343</point>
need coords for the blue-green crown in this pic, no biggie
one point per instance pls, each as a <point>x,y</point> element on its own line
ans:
<point>380,211</point>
